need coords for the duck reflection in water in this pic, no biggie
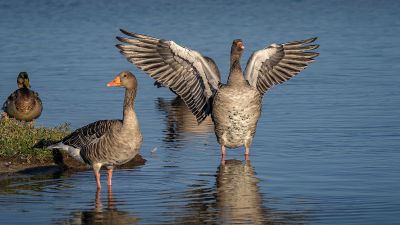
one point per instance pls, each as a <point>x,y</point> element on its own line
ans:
<point>180,121</point>
<point>102,215</point>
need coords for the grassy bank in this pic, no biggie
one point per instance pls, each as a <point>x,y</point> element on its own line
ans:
<point>23,141</point>
<point>23,146</point>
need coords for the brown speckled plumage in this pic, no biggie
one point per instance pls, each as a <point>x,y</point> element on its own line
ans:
<point>23,104</point>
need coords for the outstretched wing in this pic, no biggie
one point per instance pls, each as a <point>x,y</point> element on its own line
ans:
<point>278,63</point>
<point>185,71</point>
<point>214,68</point>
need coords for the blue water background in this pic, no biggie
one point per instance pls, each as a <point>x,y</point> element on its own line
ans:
<point>326,149</point>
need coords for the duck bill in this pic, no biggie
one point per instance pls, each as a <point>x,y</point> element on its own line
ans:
<point>115,83</point>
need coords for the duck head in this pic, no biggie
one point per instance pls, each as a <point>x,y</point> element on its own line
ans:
<point>23,80</point>
<point>124,79</point>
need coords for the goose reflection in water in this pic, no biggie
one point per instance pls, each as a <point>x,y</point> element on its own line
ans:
<point>238,196</point>
<point>239,200</point>
<point>180,121</point>
<point>102,215</point>
<point>234,199</point>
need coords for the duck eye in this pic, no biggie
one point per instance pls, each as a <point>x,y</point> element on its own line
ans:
<point>124,75</point>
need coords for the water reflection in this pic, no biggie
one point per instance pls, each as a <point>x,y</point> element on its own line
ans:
<point>100,214</point>
<point>238,197</point>
<point>239,200</point>
<point>180,122</point>
<point>234,199</point>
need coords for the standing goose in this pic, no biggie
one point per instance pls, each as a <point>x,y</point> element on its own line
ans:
<point>23,104</point>
<point>108,142</point>
<point>236,106</point>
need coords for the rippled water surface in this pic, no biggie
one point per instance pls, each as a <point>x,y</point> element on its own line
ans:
<point>326,149</point>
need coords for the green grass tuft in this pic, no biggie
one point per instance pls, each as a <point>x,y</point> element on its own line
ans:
<point>23,140</point>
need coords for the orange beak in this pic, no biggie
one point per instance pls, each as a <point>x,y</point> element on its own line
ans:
<point>115,83</point>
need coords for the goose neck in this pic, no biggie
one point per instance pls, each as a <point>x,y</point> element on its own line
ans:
<point>129,104</point>
<point>235,74</point>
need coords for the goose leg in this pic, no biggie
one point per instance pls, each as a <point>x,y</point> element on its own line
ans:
<point>247,144</point>
<point>97,175</point>
<point>109,176</point>
<point>223,150</point>
<point>96,169</point>
<point>246,153</point>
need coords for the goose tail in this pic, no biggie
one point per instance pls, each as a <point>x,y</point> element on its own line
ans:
<point>74,152</point>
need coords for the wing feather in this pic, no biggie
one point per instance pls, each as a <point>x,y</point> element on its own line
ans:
<point>90,133</point>
<point>278,63</point>
<point>193,77</point>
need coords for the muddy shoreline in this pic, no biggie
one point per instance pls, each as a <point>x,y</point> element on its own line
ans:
<point>17,166</point>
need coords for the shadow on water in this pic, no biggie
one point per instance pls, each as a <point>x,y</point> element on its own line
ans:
<point>234,199</point>
<point>180,122</point>
<point>36,179</point>
<point>33,179</point>
<point>101,213</point>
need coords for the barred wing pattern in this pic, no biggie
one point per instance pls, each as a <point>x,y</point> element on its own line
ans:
<point>278,63</point>
<point>185,71</point>
<point>90,133</point>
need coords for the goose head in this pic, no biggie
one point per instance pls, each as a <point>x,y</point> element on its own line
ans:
<point>237,47</point>
<point>124,79</point>
<point>23,80</point>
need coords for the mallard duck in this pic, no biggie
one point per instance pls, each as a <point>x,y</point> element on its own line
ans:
<point>108,142</point>
<point>23,104</point>
<point>235,107</point>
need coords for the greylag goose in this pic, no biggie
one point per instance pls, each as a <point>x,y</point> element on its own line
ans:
<point>235,107</point>
<point>107,142</point>
<point>23,104</point>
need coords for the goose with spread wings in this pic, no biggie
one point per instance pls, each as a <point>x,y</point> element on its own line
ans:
<point>235,107</point>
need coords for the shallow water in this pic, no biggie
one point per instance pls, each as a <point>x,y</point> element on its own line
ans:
<point>326,147</point>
